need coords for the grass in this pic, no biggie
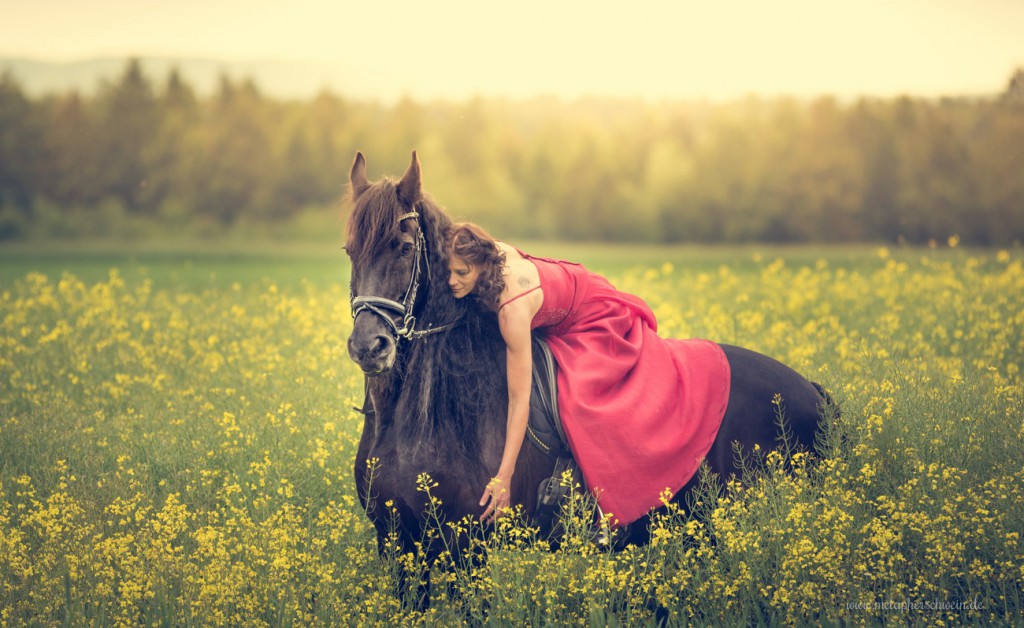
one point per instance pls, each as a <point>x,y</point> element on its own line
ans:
<point>176,444</point>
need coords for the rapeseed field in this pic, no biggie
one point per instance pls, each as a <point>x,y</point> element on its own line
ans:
<point>183,454</point>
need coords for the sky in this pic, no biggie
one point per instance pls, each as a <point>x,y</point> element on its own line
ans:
<point>569,48</point>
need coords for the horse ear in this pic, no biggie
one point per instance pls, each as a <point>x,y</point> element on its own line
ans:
<point>409,186</point>
<point>357,177</point>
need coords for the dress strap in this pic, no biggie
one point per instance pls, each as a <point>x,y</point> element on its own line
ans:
<point>521,294</point>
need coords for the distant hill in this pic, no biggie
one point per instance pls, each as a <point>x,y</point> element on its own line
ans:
<point>282,79</point>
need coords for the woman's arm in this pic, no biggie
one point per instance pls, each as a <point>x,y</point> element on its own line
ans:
<point>514,321</point>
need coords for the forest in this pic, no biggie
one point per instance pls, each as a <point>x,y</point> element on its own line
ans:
<point>149,155</point>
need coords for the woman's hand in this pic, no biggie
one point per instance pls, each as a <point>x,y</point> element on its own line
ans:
<point>498,493</point>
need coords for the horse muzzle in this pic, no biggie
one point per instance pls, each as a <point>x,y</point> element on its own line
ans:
<point>372,347</point>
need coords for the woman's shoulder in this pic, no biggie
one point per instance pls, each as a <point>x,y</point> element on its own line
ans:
<point>511,252</point>
<point>516,265</point>
<point>521,281</point>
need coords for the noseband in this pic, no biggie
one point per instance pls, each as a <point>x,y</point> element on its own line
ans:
<point>382,306</point>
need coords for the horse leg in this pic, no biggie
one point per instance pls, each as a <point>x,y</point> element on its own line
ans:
<point>363,472</point>
<point>465,561</point>
<point>390,553</point>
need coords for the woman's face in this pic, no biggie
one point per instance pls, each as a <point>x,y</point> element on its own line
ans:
<point>462,276</point>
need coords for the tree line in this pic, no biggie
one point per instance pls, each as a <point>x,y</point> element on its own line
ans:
<point>783,170</point>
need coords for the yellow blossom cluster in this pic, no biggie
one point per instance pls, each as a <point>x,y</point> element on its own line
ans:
<point>181,453</point>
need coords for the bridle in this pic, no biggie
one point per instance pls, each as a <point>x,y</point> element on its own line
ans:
<point>381,306</point>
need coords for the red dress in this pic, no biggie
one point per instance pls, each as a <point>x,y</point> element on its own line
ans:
<point>640,412</point>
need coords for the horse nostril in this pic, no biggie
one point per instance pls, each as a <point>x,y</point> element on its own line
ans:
<point>380,345</point>
<point>374,350</point>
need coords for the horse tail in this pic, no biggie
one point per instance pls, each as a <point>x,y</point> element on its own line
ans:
<point>838,439</point>
<point>826,398</point>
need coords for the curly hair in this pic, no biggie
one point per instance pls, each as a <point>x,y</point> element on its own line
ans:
<point>471,243</point>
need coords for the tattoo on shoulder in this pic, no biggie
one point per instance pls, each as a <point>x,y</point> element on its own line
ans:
<point>524,282</point>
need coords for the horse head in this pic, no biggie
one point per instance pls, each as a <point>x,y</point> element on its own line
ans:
<point>391,262</point>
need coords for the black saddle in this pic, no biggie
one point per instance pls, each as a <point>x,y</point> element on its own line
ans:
<point>545,427</point>
<point>545,432</point>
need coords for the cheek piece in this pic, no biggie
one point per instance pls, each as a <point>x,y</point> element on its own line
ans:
<point>381,306</point>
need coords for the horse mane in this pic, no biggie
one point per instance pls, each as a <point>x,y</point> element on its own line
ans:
<point>445,385</point>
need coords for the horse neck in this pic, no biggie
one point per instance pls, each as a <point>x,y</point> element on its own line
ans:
<point>448,388</point>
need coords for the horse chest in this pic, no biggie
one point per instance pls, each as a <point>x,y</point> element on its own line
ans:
<point>406,475</point>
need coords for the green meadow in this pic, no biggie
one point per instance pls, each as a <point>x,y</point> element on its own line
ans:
<point>177,443</point>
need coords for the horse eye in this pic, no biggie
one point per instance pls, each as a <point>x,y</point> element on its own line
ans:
<point>406,249</point>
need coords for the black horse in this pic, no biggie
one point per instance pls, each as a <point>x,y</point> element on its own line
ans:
<point>436,395</point>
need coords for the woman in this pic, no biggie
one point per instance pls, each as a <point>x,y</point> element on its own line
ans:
<point>639,411</point>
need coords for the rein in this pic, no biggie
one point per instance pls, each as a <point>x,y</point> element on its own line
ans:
<point>381,306</point>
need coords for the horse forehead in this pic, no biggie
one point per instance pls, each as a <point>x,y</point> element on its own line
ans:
<point>378,275</point>
<point>373,249</point>
<point>376,221</point>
